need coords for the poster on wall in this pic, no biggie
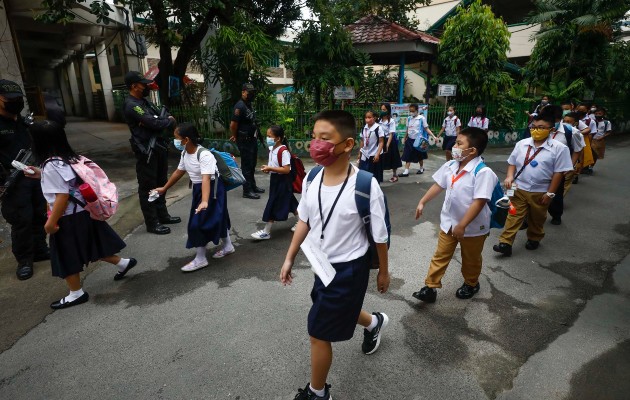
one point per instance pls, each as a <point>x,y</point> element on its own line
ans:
<point>400,113</point>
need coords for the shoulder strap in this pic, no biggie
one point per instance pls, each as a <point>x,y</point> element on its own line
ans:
<point>312,174</point>
<point>479,167</point>
<point>282,149</point>
<point>362,199</point>
<point>200,150</point>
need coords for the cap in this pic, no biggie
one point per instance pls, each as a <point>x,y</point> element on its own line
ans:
<point>135,77</point>
<point>248,87</point>
<point>10,89</point>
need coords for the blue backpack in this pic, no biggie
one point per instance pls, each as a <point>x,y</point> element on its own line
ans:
<point>362,200</point>
<point>498,215</point>
<point>422,141</point>
<point>230,173</point>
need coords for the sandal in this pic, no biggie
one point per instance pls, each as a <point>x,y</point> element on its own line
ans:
<point>393,179</point>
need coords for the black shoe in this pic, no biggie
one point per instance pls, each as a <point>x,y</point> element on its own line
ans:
<point>251,195</point>
<point>575,180</point>
<point>556,221</point>
<point>43,256</point>
<point>466,291</point>
<point>307,394</point>
<point>24,272</point>
<point>532,244</point>
<point>420,171</point>
<point>503,248</point>
<point>524,225</point>
<point>159,229</point>
<point>58,305</point>
<point>170,220</point>
<point>372,339</point>
<point>121,274</point>
<point>426,294</point>
<point>403,175</point>
<point>259,190</point>
<point>589,171</point>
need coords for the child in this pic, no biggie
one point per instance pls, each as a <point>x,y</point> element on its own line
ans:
<point>588,128</point>
<point>329,216</point>
<point>602,131</point>
<point>536,167</point>
<point>479,120</point>
<point>281,199</point>
<point>465,216</point>
<point>372,142</point>
<point>391,155</point>
<point>209,220</point>
<point>75,238</point>
<point>416,125</point>
<point>450,127</point>
<point>571,178</point>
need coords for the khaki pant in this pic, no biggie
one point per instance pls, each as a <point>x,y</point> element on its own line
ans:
<point>526,204</point>
<point>568,181</point>
<point>471,248</point>
<point>599,147</point>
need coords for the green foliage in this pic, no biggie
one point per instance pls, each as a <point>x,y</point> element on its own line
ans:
<point>349,11</point>
<point>504,117</point>
<point>377,86</point>
<point>472,53</point>
<point>614,80</point>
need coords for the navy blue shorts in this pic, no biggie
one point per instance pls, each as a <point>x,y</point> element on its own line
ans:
<point>336,308</point>
<point>375,168</point>
<point>448,143</point>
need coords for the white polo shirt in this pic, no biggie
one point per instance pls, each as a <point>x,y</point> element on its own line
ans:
<point>205,165</point>
<point>450,125</point>
<point>460,195</point>
<point>370,136</point>
<point>590,123</point>
<point>388,127</point>
<point>577,139</point>
<point>414,124</point>
<point>554,157</point>
<point>59,178</point>
<point>602,127</point>
<point>273,157</point>
<point>479,122</point>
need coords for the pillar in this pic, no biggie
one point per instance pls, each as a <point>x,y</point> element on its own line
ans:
<point>68,103</point>
<point>401,79</point>
<point>74,88</point>
<point>106,80</point>
<point>87,86</point>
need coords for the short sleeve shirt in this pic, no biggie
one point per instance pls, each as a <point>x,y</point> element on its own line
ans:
<point>414,124</point>
<point>536,177</point>
<point>577,140</point>
<point>370,136</point>
<point>245,117</point>
<point>59,178</point>
<point>602,127</point>
<point>479,122</point>
<point>388,127</point>
<point>273,157</point>
<point>196,168</point>
<point>450,125</point>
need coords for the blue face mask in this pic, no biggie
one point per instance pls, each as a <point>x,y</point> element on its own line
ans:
<point>271,142</point>
<point>557,125</point>
<point>178,145</point>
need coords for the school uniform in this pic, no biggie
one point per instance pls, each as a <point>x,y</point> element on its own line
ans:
<point>80,239</point>
<point>479,122</point>
<point>281,199</point>
<point>335,311</point>
<point>450,126</point>
<point>213,223</point>
<point>415,126</point>
<point>461,189</point>
<point>556,207</point>
<point>533,182</point>
<point>370,136</point>
<point>391,155</point>
<point>599,141</point>
<point>586,157</point>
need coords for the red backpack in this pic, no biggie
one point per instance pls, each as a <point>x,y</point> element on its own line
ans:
<point>297,169</point>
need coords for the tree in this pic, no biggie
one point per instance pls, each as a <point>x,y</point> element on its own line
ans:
<point>473,51</point>
<point>398,11</point>
<point>183,24</point>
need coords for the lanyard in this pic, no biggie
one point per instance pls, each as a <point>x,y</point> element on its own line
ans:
<point>528,160</point>
<point>319,199</point>
<point>456,178</point>
<point>366,136</point>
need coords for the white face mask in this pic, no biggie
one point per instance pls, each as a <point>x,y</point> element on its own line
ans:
<point>450,113</point>
<point>414,114</point>
<point>458,154</point>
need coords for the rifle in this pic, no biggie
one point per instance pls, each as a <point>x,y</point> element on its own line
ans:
<point>153,140</point>
<point>24,156</point>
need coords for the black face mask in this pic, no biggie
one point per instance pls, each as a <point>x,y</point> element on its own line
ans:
<point>14,107</point>
<point>480,113</point>
<point>146,91</point>
<point>599,117</point>
<point>250,96</point>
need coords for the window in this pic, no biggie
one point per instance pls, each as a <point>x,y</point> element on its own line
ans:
<point>274,62</point>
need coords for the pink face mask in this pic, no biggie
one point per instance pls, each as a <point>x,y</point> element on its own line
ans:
<point>323,152</point>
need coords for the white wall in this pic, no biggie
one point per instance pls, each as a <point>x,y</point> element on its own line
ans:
<point>521,44</point>
<point>429,15</point>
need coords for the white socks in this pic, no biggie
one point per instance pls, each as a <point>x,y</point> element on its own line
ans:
<point>318,393</point>
<point>227,242</point>
<point>373,324</point>
<point>201,255</point>
<point>406,171</point>
<point>122,264</point>
<point>74,294</point>
<point>268,227</point>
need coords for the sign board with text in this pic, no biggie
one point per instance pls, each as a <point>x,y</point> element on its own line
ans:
<point>344,93</point>
<point>447,90</point>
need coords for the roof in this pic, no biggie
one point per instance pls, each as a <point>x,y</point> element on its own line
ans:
<point>374,29</point>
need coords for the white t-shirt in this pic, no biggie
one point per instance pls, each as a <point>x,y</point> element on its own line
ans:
<point>345,238</point>
<point>370,136</point>
<point>59,178</point>
<point>273,157</point>
<point>479,122</point>
<point>554,157</point>
<point>206,165</point>
<point>414,124</point>
<point>460,195</point>
<point>388,127</point>
<point>587,122</point>
<point>577,139</point>
<point>602,127</point>
<point>450,125</point>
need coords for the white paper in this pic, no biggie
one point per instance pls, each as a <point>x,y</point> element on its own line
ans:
<point>319,261</point>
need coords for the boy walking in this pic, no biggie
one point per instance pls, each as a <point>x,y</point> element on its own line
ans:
<point>465,216</point>
<point>329,219</point>
<point>602,131</point>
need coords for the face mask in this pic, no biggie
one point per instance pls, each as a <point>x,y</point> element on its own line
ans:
<point>557,125</point>
<point>14,107</point>
<point>383,114</point>
<point>450,113</point>
<point>323,152</point>
<point>540,133</point>
<point>479,113</point>
<point>599,117</point>
<point>565,112</point>
<point>414,114</point>
<point>250,96</point>
<point>271,142</point>
<point>544,102</point>
<point>593,109</point>
<point>458,154</point>
<point>178,145</point>
<point>146,91</point>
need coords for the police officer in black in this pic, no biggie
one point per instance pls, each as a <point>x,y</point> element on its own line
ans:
<point>151,149</point>
<point>245,133</point>
<point>23,204</point>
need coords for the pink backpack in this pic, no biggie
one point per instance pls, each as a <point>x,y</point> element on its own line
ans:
<point>106,204</point>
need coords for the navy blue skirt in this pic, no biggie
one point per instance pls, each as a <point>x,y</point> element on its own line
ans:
<point>281,199</point>
<point>391,158</point>
<point>375,168</point>
<point>211,224</point>
<point>412,155</point>
<point>448,143</point>
<point>79,241</point>
<point>336,308</point>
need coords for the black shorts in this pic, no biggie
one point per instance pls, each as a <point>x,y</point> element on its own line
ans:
<point>448,143</point>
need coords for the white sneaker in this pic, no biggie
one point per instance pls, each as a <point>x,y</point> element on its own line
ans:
<point>261,235</point>
<point>223,252</point>
<point>194,265</point>
<point>294,227</point>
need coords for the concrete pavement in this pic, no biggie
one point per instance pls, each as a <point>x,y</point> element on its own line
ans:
<point>549,324</point>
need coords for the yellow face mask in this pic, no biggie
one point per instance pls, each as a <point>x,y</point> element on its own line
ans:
<point>540,133</point>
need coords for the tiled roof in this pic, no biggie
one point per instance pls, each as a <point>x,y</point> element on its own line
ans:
<point>374,29</point>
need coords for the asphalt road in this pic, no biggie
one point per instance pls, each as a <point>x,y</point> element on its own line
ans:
<point>548,324</point>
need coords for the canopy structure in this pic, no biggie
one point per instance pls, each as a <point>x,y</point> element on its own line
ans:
<point>388,43</point>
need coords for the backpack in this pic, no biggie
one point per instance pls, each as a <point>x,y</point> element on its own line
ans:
<point>362,200</point>
<point>498,215</point>
<point>297,169</point>
<point>421,143</point>
<point>229,171</point>
<point>568,136</point>
<point>106,203</point>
